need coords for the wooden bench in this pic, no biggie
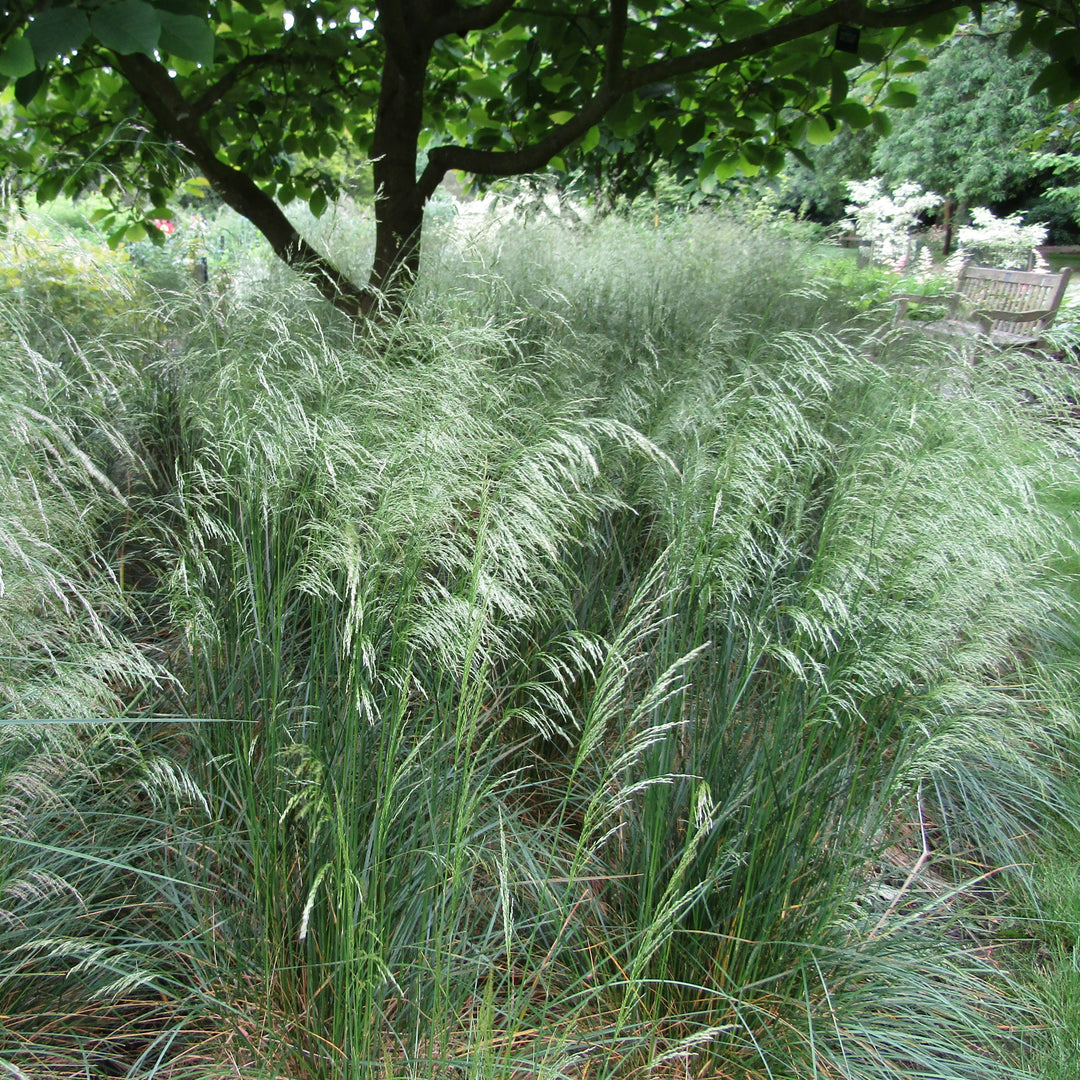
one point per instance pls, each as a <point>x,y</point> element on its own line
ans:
<point>1009,308</point>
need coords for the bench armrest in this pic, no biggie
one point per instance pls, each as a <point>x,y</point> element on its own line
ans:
<point>986,317</point>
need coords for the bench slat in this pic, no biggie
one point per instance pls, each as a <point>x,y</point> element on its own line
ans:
<point>1010,307</point>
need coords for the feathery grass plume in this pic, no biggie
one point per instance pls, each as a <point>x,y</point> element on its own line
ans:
<point>652,681</point>
<point>58,596</point>
<point>89,886</point>
<point>84,868</point>
<point>375,542</point>
<point>1046,922</point>
<point>858,549</point>
<point>846,555</point>
<point>632,296</point>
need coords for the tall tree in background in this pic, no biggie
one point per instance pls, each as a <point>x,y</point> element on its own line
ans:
<point>139,94</point>
<point>969,134</point>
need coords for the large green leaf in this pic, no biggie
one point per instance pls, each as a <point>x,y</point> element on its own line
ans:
<point>882,123</point>
<point>1058,81</point>
<point>853,113</point>
<point>188,37</point>
<point>129,26</point>
<point>741,20</point>
<point>27,87</point>
<point>57,32</point>
<point>818,132</point>
<point>17,59</point>
<point>668,135</point>
<point>901,99</point>
<point>839,88</point>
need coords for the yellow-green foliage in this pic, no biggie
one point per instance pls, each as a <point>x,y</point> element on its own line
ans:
<point>78,281</point>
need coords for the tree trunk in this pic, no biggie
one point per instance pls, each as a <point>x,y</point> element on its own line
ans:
<point>399,204</point>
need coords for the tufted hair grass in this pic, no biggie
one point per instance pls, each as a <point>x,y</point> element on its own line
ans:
<point>615,667</point>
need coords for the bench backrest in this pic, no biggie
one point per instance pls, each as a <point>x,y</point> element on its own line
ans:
<point>1014,290</point>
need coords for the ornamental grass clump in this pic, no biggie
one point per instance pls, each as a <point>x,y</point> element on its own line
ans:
<point>94,812</point>
<point>568,683</point>
<point>857,686</point>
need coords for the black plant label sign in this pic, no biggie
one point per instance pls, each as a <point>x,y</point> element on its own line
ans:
<point>847,39</point>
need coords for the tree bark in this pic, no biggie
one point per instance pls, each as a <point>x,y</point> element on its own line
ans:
<point>399,205</point>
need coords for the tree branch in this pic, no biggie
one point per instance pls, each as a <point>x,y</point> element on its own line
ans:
<point>216,91</point>
<point>531,158</point>
<point>172,113</point>
<point>790,29</point>
<point>406,39</point>
<point>613,61</point>
<point>465,19</point>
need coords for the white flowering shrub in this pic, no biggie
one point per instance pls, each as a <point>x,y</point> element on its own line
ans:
<point>1004,242</point>
<point>924,269</point>
<point>888,219</point>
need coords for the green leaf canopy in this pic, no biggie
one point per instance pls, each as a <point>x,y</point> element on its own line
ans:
<point>256,97</point>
